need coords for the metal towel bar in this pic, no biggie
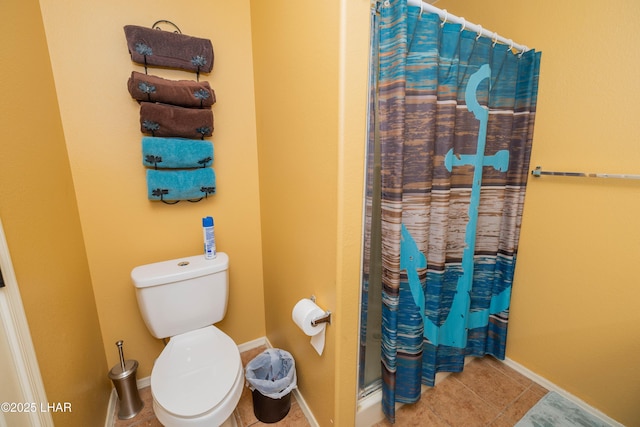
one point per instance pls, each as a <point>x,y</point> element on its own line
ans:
<point>537,172</point>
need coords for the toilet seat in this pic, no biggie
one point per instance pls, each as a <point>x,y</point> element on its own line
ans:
<point>195,372</point>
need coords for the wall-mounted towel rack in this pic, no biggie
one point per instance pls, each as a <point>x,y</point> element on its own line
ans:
<point>155,25</point>
<point>537,172</point>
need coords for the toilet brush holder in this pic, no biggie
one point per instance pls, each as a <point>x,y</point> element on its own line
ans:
<point>123,376</point>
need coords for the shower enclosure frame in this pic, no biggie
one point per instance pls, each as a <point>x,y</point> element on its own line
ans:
<point>369,370</point>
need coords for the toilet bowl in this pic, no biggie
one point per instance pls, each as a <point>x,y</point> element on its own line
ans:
<point>197,380</point>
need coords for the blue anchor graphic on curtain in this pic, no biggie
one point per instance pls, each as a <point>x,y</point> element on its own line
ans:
<point>453,332</point>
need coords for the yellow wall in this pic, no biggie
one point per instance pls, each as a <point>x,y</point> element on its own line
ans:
<point>574,317</point>
<point>40,216</point>
<point>311,160</point>
<point>122,229</point>
<point>311,146</point>
<point>354,61</point>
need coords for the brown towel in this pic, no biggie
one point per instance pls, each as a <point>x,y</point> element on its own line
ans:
<point>171,121</point>
<point>162,48</point>
<point>185,93</point>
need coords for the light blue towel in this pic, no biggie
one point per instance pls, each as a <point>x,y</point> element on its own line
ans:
<point>176,153</point>
<point>187,184</point>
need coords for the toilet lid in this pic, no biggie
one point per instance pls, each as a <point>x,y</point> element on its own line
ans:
<point>195,371</point>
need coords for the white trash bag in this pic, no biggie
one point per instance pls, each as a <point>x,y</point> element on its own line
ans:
<point>272,373</point>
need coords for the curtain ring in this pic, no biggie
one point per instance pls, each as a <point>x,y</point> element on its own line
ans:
<point>494,39</point>
<point>446,15</point>
<point>464,24</point>
<point>511,45</point>
<point>421,10</point>
<point>479,34</point>
<point>524,49</point>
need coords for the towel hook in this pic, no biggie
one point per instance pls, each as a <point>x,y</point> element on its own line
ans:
<point>162,191</point>
<point>164,21</point>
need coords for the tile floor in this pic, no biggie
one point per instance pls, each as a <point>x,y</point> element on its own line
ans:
<point>487,393</point>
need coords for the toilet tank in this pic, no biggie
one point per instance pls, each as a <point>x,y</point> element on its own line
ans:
<point>182,295</point>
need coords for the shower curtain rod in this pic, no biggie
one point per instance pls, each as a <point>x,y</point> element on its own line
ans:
<point>539,172</point>
<point>447,17</point>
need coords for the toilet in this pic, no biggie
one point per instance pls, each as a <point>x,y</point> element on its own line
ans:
<point>198,378</point>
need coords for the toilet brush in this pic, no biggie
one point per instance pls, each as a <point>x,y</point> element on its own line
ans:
<point>124,380</point>
<point>119,344</point>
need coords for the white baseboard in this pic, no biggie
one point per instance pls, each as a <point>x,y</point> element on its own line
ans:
<point>146,381</point>
<point>111,409</point>
<point>305,408</point>
<point>250,345</point>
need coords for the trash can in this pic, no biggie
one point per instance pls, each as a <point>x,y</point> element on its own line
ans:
<point>271,377</point>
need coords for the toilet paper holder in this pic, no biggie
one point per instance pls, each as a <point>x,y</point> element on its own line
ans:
<point>325,318</point>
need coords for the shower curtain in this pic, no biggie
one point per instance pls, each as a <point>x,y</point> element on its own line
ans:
<point>454,116</point>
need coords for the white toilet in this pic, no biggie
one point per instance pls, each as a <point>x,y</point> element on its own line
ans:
<point>198,378</point>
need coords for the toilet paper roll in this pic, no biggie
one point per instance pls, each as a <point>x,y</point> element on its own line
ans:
<point>303,313</point>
